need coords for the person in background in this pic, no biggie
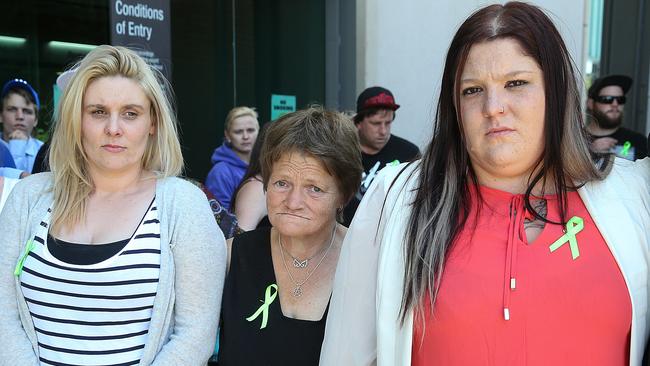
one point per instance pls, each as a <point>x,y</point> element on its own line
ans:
<point>606,99</point>
<point>19,116</point>
<point>6,160</point>
<point>504,244</point>
<point>226,220</point>
<point>231,158</point>
<point>109,258</point>
<point>280,279</point>
<point>379,148</point>
<point>41,159</point>
<point>249,199</point>
<point>7,165</point>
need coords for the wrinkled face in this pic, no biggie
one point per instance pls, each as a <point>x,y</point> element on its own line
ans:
<point>502,110</point>
<point>608,115</point>
<point>242,134</point>
<point>116,124</point>
<point>17,114</point>
<point>374,131</point>
<point>302,197</point>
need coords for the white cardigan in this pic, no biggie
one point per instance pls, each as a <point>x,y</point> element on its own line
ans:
<point>363,327</point>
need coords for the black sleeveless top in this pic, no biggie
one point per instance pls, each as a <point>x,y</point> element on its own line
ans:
<point>283,340</point>
<point>264,222</point>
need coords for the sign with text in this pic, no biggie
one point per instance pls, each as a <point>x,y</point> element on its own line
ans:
<point>143,26</point>
<point>281,105</point>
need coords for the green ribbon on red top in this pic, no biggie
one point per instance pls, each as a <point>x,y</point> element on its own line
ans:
<point>573,227</point>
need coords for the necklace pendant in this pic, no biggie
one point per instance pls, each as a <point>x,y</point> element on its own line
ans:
<point>300,263</point>
<point>297,291</point>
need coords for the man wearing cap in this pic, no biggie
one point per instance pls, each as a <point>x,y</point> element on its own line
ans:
<point>605,106</point>
<point>19,116</point>
<point>375,114</point>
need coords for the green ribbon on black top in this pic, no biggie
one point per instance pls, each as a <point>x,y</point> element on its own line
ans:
<point>269,296</point>
<point>626,149</point>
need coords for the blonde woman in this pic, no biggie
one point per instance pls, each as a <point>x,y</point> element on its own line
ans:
<point>231,159</point>
<point>110,259</point>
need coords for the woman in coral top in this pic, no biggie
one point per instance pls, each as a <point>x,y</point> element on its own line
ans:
<point>505,244</point>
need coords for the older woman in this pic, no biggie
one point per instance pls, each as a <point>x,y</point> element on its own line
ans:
<point>109,259</point>
<point>503,245</point>
<point>280,279</point>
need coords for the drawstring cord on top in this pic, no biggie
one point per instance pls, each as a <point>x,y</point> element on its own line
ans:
<point>515,224</point>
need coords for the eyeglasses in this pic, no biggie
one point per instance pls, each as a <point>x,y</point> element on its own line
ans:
<point>609,99</point>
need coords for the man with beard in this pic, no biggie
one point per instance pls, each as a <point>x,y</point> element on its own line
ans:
<point>605,106</point>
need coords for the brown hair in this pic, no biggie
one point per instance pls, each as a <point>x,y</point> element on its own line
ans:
<point>326,135</point>
<point>371,112</point>
<point>445,175</point>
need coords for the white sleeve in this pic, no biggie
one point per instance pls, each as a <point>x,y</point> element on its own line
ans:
<point>350,331</point>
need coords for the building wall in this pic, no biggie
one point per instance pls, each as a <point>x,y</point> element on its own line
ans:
<point>401,45</point>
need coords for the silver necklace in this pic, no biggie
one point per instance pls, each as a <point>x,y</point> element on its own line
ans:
<point>297,289</point>
<point>299,263</point>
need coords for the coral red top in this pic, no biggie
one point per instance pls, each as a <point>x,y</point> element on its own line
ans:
<point>503,301</point>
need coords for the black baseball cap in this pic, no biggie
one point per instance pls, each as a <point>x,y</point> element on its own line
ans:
<point>625,82</point>
<point>376,97</point>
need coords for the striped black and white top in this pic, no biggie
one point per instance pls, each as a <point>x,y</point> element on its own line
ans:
<point>94,314</point>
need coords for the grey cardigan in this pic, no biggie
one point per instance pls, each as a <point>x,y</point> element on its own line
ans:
<point>187,305</point>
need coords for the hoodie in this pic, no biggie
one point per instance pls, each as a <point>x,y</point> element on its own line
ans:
<point>225,175</point>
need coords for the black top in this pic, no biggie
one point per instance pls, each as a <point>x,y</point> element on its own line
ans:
<point>636,147</point>
<point>284,341</point>
<point>83,254</point>
<point>397,150</point>
<point>264,222</point>
<point>40,161</point>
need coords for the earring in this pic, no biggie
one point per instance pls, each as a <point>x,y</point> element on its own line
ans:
<point>503,109</point>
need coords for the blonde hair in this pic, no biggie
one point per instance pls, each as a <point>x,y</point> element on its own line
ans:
<point>68,161</point>
<point>238,112</point>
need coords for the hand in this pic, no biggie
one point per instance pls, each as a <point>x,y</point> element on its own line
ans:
<point>18,135</point>
<point>603,144</point>
<point>24,174</point>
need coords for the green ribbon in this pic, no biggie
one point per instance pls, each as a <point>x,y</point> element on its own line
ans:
<point>626,148</point>
<point>270,295</point>
<point>21,262</point>
<point>573,227</point>
<point>393,163</point>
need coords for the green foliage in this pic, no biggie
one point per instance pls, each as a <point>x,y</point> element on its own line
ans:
<point>42,134</point>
